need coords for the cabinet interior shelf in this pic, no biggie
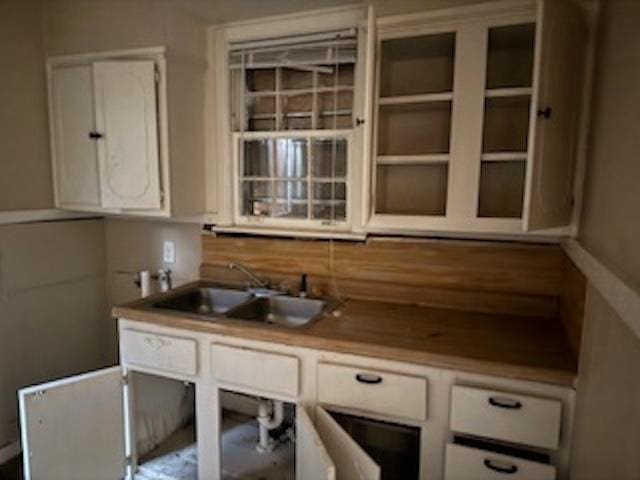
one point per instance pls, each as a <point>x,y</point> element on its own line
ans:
<point>328,113</point>
<point>294,179</point>
<point>434,158</point>
<point>422,98</point>
<point>508,92</point>
<point>503,156</point>
<point>299,91</point>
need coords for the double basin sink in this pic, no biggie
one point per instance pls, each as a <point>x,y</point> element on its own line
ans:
<point>257,307</point>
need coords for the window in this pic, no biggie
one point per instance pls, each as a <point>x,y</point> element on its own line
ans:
<point>292,101</point>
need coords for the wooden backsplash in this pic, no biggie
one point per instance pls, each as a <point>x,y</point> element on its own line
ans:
<point>495,277</point>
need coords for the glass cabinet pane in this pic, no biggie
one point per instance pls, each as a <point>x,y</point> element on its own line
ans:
<point>414,129</point>
<point>257,198</point>
<point>412,189</point>
<point>257,158</point>
<point>510,56</point>
<point>501,189</point>
<point>506,124</point>
<point>291,200</point>
<point>417,65</point>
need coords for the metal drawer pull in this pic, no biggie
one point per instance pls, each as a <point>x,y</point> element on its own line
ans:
<point>368,378</point>
<point>505,403</point>
<point>507,469</point>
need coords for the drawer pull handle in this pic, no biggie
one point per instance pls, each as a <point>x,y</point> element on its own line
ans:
<point>505,403</point>
<point>507,469</point>
<point>156,343</point>
<point>368,378</point>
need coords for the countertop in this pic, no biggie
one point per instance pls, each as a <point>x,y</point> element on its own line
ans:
<point>524,348</point>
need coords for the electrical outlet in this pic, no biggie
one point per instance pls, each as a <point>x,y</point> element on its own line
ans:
<point>169,252</point>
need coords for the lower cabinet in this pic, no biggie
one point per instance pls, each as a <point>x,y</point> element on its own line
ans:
<point>101,426</point>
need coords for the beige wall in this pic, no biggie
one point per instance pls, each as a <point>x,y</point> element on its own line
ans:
<point>52,307</point>
<point>607,433</point>
<point>134,245</point>
<point>610,225</point>
<point>25,171</point>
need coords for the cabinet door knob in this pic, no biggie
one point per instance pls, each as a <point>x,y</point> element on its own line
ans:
<point>359,121</point>
<point>95,135</point>
<point>545,112</point>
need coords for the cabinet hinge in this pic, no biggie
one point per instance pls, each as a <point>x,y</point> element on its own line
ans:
<point>157,75</point>
<point>125,379</point>
<point>128,461</point>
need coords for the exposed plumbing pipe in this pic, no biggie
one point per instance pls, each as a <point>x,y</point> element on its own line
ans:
<point>268,419</point>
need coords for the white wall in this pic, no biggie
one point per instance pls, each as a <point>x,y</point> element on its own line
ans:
<point>25,171</point>
<point>53,319</point>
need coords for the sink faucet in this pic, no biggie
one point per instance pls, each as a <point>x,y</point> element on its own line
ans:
<point>253,278</point>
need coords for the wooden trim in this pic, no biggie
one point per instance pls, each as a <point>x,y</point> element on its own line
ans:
<point>30,216</point>
<point>624,300</point>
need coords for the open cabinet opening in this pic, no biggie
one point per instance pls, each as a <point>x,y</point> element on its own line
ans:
<point>164,428</point>
<point>394,447</point>
<point>257,437</point>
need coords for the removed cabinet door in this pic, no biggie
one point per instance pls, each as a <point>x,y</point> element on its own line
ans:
<point>72,122</point>
<point>561,44</point>
<point>126,117</point>
<point>312,459</point>
<point>73,428</point>
<point>351,460</point>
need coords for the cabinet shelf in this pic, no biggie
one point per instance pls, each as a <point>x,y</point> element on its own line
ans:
<point>435,158</point>
<point>508,92</point>
<point>504,156</point>
<point>299,91</point>
<point>422,98</point>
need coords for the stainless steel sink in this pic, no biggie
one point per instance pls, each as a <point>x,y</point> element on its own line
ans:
<point>206,301</point>
<point>280,310</point>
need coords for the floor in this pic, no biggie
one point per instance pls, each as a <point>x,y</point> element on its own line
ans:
<point>176,458</point>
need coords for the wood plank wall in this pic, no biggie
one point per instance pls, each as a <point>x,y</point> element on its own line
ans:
<point>493,277</point>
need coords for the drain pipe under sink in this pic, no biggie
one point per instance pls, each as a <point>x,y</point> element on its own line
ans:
<point>268,421</point>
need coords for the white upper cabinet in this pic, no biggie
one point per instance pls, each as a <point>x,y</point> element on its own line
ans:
<point>76,168</point>
<point>477,116</point>
<point>125,95</point>
<point>121,141</point>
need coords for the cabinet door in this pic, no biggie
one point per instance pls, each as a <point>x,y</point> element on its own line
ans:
<point>126,116</point>
<point>562,37</point>
<point>74,428</point>
<point>351,460</point>
<point>312,459</point>
<point>72,119</point>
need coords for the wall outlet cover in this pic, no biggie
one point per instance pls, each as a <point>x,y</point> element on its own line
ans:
<point>169,252</point>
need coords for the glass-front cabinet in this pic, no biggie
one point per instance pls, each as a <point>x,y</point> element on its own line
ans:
<point>458,120</point>
<point>477,118</point>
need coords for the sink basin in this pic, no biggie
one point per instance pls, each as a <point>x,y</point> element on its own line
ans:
<point>279,310</point>
<point>205,301</point>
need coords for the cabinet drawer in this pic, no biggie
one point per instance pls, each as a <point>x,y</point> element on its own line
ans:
<point>506,416</point>
<point>266,371</point>
<point>163,352</point>
<point>465,463</point>
<point>372,390</point>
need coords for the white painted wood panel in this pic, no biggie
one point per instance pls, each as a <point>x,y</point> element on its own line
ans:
<point>312,459</point>
<point>75,161</point>
<point>265,371</point>
<point>464,463</point>
<point>387,393</point>
<point>506,416</point>
<point>74,428</point>
<point>163,353</point>
<point>126,114</point>
<point>560,67</point>
<point>351,460</point>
